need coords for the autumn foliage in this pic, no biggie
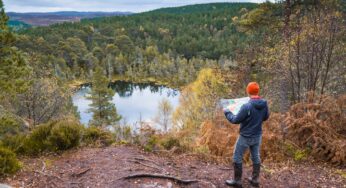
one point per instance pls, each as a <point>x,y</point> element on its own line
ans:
<point>220,136</point>
<point>319,125</point>
<point>314,128</point>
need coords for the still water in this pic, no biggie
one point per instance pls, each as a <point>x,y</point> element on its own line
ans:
<point>134,102</point>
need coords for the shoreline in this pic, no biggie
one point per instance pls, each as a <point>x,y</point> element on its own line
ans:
<point>77,83</point>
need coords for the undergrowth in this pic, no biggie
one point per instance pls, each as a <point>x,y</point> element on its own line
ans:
<point>319,125</point>
<point>8,162</point>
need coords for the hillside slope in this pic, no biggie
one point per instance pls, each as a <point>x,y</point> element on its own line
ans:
<point>161,45</point>
<point>205,30</point>
<point>204,8</point>
<point>49,18</point>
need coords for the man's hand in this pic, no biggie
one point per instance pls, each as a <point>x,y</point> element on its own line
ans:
<point>226,110</point>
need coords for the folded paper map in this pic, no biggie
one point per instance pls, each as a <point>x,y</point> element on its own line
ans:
<point>234,105</point>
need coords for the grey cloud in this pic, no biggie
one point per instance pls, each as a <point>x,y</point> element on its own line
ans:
<point>46,3</point>
<point>100,5</point>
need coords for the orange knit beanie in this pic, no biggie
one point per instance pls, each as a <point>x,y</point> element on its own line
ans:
<point>253,88</point>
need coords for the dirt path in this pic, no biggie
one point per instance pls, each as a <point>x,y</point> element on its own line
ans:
<point>105,167</point>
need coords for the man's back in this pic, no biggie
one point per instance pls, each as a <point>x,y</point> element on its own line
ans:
<point>250,117</point>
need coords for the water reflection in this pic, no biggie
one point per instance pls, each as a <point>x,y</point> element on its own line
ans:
<point>134,102</point>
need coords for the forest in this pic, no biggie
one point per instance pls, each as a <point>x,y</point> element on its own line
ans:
<point>294,49</point>
<point>157,44</point>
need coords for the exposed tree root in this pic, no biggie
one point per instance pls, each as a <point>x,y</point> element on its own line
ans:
<point>144,175</point>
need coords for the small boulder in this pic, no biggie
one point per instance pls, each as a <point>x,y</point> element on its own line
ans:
<point>4,186</point>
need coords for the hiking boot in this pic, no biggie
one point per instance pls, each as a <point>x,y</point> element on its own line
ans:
<point>237,176</point>
<point>254,180</point>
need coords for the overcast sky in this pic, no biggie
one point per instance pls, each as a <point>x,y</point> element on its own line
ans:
<point>100,5</point>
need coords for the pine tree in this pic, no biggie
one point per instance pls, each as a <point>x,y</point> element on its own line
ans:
<point>104,111</point>
<point>13,68</point>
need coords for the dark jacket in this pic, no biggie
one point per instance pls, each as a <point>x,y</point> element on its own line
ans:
<point>250,116</point>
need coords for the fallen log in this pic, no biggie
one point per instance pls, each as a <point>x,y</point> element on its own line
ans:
<point>144,175</point>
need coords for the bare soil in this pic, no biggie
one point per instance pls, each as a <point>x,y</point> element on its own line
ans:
<point>107,167</point>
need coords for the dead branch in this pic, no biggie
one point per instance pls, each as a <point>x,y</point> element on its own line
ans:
<point>144,159</point>
<point>49,175</point>
<point>226,168</point>
<point>144,175</point>
<point>147,165</point>
<point>43,166</point>
<point>81,172</point>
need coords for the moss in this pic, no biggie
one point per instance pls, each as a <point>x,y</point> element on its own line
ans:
<point>9,163</point>
<point>268,170</point>
<point>202,150</point>
<point>300,155</point>
<point>341,173</point>
<point>48,163</point>
<point>296,153</point>
<point>123,142</point>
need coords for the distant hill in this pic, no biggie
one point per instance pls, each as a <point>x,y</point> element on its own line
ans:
<point>18,25</point>
<point>49,18</point>
<point>202,8</point>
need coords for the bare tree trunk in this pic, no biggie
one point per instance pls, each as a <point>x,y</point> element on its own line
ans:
<point>329,55</point>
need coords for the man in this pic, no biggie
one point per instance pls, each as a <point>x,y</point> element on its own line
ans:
<point>250,116</point>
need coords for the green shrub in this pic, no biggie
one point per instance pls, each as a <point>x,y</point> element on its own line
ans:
<point>8,162</point>
<point>151,144</point>
<point>9,126</point>
<point>97,136</point>
<point>136,140</point>
<point>127,133</point>
<point>123,134</point>
<point>38,139</point>
<point>16,143</point>
<point>170,142</point>
<point>65,135</point>
<point>54,136</point>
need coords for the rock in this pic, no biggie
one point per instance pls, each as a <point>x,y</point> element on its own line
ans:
<point>169,185</point>
<point>151,185</point>
<point>4,186</point>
